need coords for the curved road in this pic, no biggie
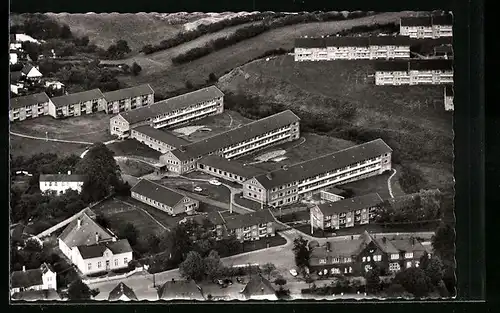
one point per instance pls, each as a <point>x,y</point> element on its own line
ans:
<point>389,185</point>
<point>51,139</point>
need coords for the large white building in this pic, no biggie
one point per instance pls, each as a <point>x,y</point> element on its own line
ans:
<point>286,185</point>
<point>249,138</point>
<point>414,72</point>
<point>427,26</point>
<point>170,112</point>
<point>352,48</point>
<point>60,183</point>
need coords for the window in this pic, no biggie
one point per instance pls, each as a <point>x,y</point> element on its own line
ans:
<point>408,255</point>
<point>368,259</point>
<point>394,256</point>
<point>322,261</point>
<point>408,264</point>
<point>125,260</point>
<point>99,264</point>
<point>89,266</point>
<point>393,267</point>
<point>377,258</point>
<point>364,259</point>
<point>116,262</point>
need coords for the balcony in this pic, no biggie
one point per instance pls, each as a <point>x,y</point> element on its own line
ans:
<point>256,139</point>
<point>189,110</point>
<point>173,121</point>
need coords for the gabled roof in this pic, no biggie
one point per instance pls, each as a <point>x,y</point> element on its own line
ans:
<point>386,245</point>
<point>172,104</point>
<point>157,192</point>
<point>431,64</point>
<point>445,19</point>
<point>389,41</point>
<point>180,289</point>
<point>351,204</point>
<point>240,134</point>
<point>162,136</point>
<point>391,66</point>
<point>97,250</point>
<point>27,278</point>
<point>246,220</point>
<point>27,68</point>
<point>233,167</point>
<point>61,178</point>
<point>416,21</point>
<point>36,295</point>
<point>15,76</point>
<point>338,249</point>
<point>77,97</point>
<point>122,290</point>
<point>322,164</point>
<point>347,41</point>
<point>74,236</point>
<point>409,245</point>
<point>21,102</point>
<point>258,286</point>
<point>126,93</point>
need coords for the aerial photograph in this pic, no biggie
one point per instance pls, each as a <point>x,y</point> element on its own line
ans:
<point>231,156</point>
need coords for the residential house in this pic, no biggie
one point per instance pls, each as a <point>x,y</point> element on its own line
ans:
<point>285,186</point>
<point>28,107</point>
<point>14,44</point>
<point>122,292</point>
<point>25,38</point>
<point>128,99</point>
<point>229,170</point>
<point>171,112</point>
<point>414,72</point>
<point>249,138</point>
<point>332,194</point>
<point>93,249</point>
<point>442,25</point>
<point>43,278</point>
<point>448,98</point>
<point>37,295</point>
<point>60,183</point>
<point>351,48</point>
<point>13,57</point>
<point>180,290</point>
<point>16,83</point>
<point>31,73</point>
<point>76,104</point>
<point>436,26</point>
<point>259,288</point>
<point>344,213</point>
<point>359,254</point>
<point>246,227</point>
<point>163,198</point>
<point>159,140</point>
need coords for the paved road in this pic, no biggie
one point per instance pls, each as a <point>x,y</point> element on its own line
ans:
<point>389,184</point>
<point>51,139</point>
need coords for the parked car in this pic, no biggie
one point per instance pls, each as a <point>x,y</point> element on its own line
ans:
<point>214,182</point>
<point>293,272</point>
<point>198,189</point>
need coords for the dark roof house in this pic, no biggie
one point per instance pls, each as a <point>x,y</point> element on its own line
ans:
<point>246,220</point>
<point>442,20</point>
<point>157,192</point>
<point>29,278</point>
<point>180,290</point>
<point>391,66</point>
<point>351,204</point>
<point>21,102</point>
<point>257,287</point>
<point>162,136</point>
<point>122,292</point>
<point>97,250</point>
<point>15,76</point>
<point>77,97</point>
<point>126,93</point>
<point>62,177</point>
<point>83,231</point>
<point>431,64</point>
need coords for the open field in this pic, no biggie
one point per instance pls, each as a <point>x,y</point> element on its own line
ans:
<point>89,128</point>
<point>368,185</point>
<point>131,147</point>
<point>134,168</point>
<point>411,119</point>
<point>120,214</point>
<point>27,147</point>
<point>164,218</point>
<point>169,78</point>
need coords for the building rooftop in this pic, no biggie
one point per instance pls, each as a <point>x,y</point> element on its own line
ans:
<point>27,68</point>
<point>258,286</point>
<point>97,250</point>
<point>246,220</point>
<point>233,167</point>
<point>165,106</point>
<point>391,66</point>
<point>21,102</point>
<point>338,249</point>
<point>445,19</point>
<point>335,191</point>
<point>162,136</point>
<point>446,48</point>
<point>122,290</point>
<point>431,64</point>
<point>325,163</point>
<point>37,295</point>
<point>76,234</point>
<point>78,97</point>
<point>27,278</point>
<point>416,21</point>
<point>61,178</point>
<point>157,192</point>
<point>180,290</point>
<point>126,93</point>
<point>16,76</point>
<point>240,134</point>
<point>351,204</point>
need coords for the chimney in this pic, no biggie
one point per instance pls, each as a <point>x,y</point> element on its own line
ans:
<point>69,172</point>
<point>24,268</point>
<point>96,237</point>
<point>269,176</point>
<point>79,222</point>
<point>284,167</point>
<point>173,280</point>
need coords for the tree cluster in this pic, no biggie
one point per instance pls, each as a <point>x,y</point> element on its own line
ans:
<point>411,179</point>
<point>301,252</point>
<point>118,50</point>
<point>380,28</point>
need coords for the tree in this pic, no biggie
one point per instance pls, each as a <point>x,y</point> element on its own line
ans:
<point>122,46</point>
<point>79,291</point>
<point>32,49</point>
<point>213,265</point>
<point>189,85</point>
<point>280,281</point>
<point>424,260</point>
<point>102,174</point>
<point>192,267</point>
<point>414,281</point>
<point>443,242</point>
<point>65,32</point>
<point>267,269</point>
<point>136,69</point>
<point>130,233</point>
<point>434,270</point>
<point>302,253</point>
<point>373,280</point>
<point>153,243</point>
<point>212,77</point>
<point>397,291</point>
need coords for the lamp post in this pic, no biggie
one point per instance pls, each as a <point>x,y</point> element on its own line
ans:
<point>46,136</point>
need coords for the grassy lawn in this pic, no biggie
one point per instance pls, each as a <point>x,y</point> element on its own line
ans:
<point>120,214</point>
<point>368,185</point>
<point>131,147</point>
<point>164,218</point>
<point>88,128</point>
<point>26,147</point>
<point>249,204</point>
<point>134,168</point>
<point>207,208</point>
<point>296,216</point>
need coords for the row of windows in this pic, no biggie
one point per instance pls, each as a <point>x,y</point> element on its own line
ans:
<point>99,263</point>
<point>186,116</point>
<point>194,106</point>
<point>281,202</point>
<point>337,260</point>
<point>362,170</point>
<point>161,205</point>
<point>245,146</point>
<point>217,171</point>
<point>64,183</point>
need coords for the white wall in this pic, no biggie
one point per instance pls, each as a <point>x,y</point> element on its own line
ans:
<point>60,187</point>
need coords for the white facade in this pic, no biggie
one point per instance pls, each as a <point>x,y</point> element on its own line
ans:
<point>29,111</point>
<point>448,101</point>
<point>421,77</point>
<point>24,37</point>
<point>352,53</point>
<point>49,281</point>
<point>107,262</point>
<point>62,184</point>
<point>15,46</point>
<point>12,58</point>
<point>34,73</point>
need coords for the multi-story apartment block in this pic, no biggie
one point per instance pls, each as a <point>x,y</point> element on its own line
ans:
<point>128,99</point>
<point>27,107</point>
<point>76,104</point>
<point>359,254</point>
<point>159,140</point>
<point>60,183</point>
<point>163,198</point>
<point>170,112</point>
<point>414,72</point>
<point>249,138</point>
<point>42,278</point>
<point>448,98</point>
<point>245,227</point>
<point>344,213</point>
<point>332,194</point>
<point>229,170</point>
<point>285,185</point>
<point>427,26</point>
<point>352,48</point>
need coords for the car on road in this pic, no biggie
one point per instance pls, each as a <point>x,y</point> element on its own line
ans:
<point>293,272</point>
<point>198,189</point>
<point>214,182</point>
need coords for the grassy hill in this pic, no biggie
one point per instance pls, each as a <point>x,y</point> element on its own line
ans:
<point>341,100</point>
